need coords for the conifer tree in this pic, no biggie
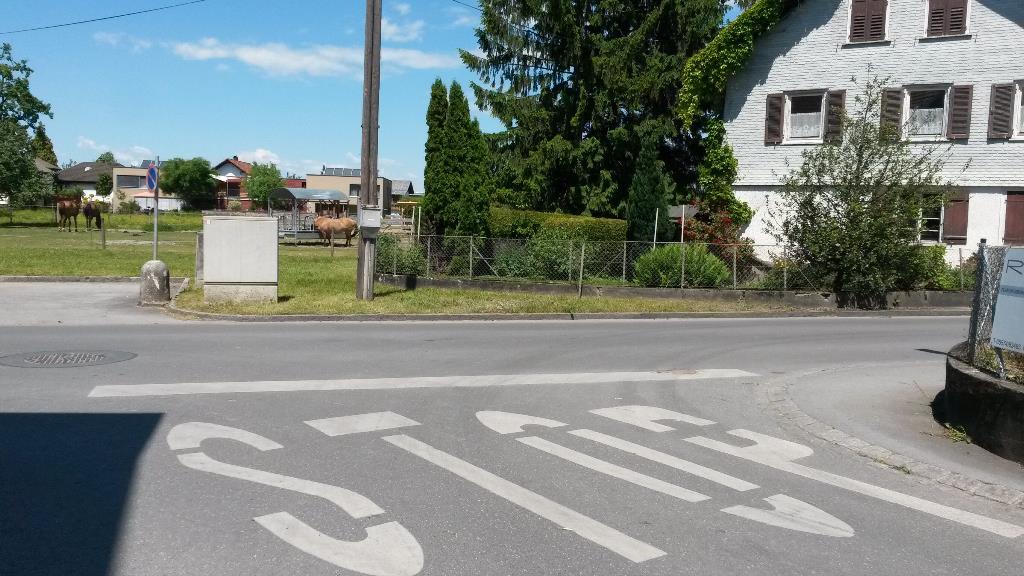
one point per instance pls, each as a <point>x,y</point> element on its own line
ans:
<point>647,194</point>
<point>42,146</point>
<point>434,198</point>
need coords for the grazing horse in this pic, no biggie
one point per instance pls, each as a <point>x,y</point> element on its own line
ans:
<point>68,211</point>
<point>92,212</point>
<point>331,227</point>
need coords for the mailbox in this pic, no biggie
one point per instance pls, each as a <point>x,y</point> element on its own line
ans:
<point>369,221</point>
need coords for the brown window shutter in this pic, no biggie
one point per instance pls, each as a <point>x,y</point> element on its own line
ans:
<point>1000,112</point>
<point>836,102</point>
<point>938,17</point>
<point>956,17</point>
<point>876,19</point>
<point>954,220</point>
<point>859,13</point>
<point>892,109</point>
<point>773,118</point>
<point>960,112</point>
<point>1014,218</point>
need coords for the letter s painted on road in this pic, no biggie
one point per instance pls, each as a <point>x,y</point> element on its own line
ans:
<point>388,549</point>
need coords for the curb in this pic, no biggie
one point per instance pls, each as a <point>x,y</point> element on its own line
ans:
<point>95,279</point>
<point>776,398</point>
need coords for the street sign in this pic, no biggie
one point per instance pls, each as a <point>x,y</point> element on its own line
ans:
<point>151,178</point>
<point>1008,324</point>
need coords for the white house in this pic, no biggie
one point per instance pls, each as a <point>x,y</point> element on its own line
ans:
<point>955,72</point>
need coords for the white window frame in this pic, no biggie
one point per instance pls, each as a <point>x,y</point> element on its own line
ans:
<point>967,29</point>
<point>787,138</point>
<point>888,19</point>
<point>1017,131</point>
<point>942,225</point>
<point>947,88</point>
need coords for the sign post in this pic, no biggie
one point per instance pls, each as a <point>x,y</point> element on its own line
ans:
<point>153,183</point>
<point>1008,317</point>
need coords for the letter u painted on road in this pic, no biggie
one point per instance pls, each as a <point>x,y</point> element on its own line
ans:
<point>388,549</point>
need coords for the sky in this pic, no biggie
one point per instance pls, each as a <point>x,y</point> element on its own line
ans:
<point>265,80</point>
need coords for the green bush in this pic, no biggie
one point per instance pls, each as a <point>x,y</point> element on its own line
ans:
<point>511,223</point>
<point>551,254</point>
<point>930,271</point>
<point>393,257</point>
<point>661,267</point>
<point>511,261</point>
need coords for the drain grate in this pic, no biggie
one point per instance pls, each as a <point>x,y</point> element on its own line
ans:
<point>65,359</point>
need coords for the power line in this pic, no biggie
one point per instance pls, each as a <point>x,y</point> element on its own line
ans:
<point>102,18</point>
<point>468,5</point>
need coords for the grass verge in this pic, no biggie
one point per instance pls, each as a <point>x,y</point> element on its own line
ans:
<point>311,281</point>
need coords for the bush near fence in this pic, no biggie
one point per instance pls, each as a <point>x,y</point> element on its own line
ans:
<point>511,223</point>
<point>664,266</point>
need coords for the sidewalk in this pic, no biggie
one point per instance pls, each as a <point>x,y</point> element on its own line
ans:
<point>891,406</point>
<point>75,304</point>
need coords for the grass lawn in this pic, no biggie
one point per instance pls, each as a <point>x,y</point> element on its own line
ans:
<point>169,221</point>
<point>311,281</point>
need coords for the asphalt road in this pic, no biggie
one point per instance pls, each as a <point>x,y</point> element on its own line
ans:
<point>399,449</point>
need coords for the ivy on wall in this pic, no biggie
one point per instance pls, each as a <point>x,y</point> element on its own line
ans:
<point>702,95</point>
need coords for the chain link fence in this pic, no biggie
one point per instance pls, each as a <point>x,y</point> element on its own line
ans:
<point>626,263</point>
<point>979,351</point>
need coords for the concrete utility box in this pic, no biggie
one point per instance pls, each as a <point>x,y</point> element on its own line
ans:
<point>239,259</point>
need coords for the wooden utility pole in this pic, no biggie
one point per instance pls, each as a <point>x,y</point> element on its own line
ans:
<point>371,113</point>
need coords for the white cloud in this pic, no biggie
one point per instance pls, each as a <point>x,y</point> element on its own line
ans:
<point>461,17</point>
<point>261,155</point>
<point>130,156</point>
<point>403,32</point>
<point>279,59</point>
<point>403,8</point>
<point>122,39</point>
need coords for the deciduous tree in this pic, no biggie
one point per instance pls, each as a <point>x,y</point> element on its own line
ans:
<point>191,180</point>
<point>16,100</point>
<point>104,184</point>
<point>262,180</point>
<point>106,158</point>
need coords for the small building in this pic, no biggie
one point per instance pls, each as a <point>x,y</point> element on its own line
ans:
<point>84,176</point>
<point>349,181</point>
<point>230,175</point>
<point>129,181</point>
<point>953,71</point>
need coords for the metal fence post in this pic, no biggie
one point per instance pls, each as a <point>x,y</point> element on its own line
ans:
<point>734,267</point>
<point>429,238</point>
<point>470,257</point>
<point>785,268</point>
<point>625,252</point>
<point>960,252</point>
<point>682,264</point>
<point>980,281</point>
<point>583,255</point>
<point>394,259</point>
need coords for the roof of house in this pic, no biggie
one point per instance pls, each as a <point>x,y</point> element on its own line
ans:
<point>244,167</point>
<point>329,171</point>
<point>44,166</point>
<point>86,171</point>
<point>310,194</point>
<point>403,188</point>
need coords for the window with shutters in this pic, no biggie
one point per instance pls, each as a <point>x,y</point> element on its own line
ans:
<point>947,18</point>
<point>869,20</point>
<point>805,117</point>
<point>947,223</point>
<point>1014,230</point>
<point>926,113</point>
<point>1020,109</point>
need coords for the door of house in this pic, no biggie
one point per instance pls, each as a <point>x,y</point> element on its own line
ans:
<point>1014,218</point>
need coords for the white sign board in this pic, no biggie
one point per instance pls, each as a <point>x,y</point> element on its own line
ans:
<point>1008,324</point>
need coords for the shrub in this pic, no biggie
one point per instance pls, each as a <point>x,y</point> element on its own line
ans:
<point>930,271</point>
<point>511,261</point>
<point>393,257</point>
<point>234,206</point>
<point>511,223</point>
<point>551,254</point>
<point>661,267</point>
<point>129,208</point>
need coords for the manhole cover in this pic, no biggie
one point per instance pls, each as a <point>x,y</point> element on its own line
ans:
<point>65,359</point>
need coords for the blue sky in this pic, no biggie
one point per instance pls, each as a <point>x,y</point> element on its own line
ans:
<point>264,79</point>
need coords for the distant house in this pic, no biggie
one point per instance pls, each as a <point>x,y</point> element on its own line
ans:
<point>84,175</point>
<point>400,188</point>
<point>230,175</point>
<point>349,181</point>
<point>130,186</point>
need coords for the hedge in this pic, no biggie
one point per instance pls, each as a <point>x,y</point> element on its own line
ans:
<point>511,223</point>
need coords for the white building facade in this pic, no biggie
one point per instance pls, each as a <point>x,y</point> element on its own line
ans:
<point>954,72</point>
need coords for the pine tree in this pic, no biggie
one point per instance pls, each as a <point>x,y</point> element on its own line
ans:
<point>647,197</point>
<point>42,146</point>
<point>577,84</point>
<point>434,198</point>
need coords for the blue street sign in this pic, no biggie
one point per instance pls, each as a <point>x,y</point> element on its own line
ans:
<point>151,178</point>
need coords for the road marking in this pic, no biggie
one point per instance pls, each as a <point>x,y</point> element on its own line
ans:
<point>358,423</point>
<point>130,390</point>
<point>794,514</point>
<point>356,505</point>
<point>645,416</point>
<point>586,527</point>
<point>510,423</point>
<point>190,435</point>
<point>776,453</point>
<point>613,470</point>
<point>388,549</point>
<point>666,459</point>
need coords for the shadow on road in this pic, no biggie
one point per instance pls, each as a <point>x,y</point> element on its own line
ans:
<point>65,480</point>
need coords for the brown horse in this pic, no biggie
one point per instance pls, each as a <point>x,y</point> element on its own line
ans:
<point>92,212</point>
<point>68,211</point>
<point>329,228</point>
